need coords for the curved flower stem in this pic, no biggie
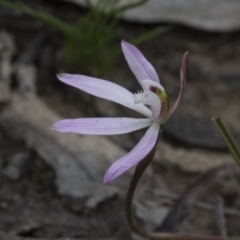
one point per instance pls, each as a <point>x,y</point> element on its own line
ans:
<point>140,168</point>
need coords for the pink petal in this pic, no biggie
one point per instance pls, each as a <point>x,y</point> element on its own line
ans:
<point>101,126</point>
<point>104,89</point>
<point>139,152</point>
<point>139,65</point>
<point>183,82</point>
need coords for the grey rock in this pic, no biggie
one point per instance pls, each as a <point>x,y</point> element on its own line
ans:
<point>219,15</point>
<point>152,216</point>
<point>195,132</point>
<point>191,159</point>
<point>7,49</point>
<point>25,70</point>
<point>26,77</point>
<point>25,211</point>
<point>18,166</point>
<point>79,162</point>
<point>5,236</point>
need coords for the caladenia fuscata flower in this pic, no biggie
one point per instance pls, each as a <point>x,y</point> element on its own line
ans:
<point>151,102</point>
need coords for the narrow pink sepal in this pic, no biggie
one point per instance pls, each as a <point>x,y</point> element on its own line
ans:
<point>139,65</point>
<point>183,75</point>
<point>101,126</point>
<point>104,89</point>
<point>138,153</point>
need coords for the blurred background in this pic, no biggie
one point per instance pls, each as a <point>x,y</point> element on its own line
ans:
<point>51,183</point>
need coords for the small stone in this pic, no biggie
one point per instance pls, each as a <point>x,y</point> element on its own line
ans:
<point>18,166</point>
<point>195,132</point>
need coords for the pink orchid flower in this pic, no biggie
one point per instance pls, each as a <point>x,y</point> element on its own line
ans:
<point>152,103</point>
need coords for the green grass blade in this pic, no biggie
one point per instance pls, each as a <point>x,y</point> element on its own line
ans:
<point>228,138</point>
<point>152,33</point>
<point>43,17</point>
<point>143,38</point>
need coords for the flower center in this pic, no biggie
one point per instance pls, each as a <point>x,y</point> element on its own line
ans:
<point>156,99</point>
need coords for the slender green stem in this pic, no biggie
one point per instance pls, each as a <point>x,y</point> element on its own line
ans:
<point>140,168</point>
<point>228,138</point>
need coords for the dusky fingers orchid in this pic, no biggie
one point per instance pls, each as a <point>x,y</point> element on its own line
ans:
<point>151,102</point>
